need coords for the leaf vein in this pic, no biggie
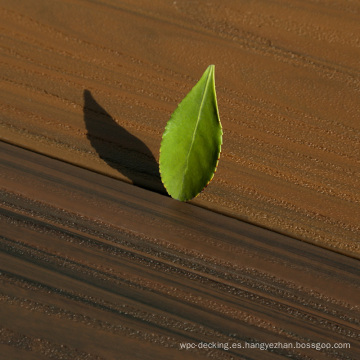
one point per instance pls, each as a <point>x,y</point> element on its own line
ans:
<point>196,126</point>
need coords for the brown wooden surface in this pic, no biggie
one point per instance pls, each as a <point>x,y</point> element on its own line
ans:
<point>96,262</point>
<point>94,268</point>
<point>80,80</point>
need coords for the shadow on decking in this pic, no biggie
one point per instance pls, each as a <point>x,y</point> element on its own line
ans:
<point>120,149</point>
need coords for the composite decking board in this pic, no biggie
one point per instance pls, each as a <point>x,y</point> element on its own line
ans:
<point>95,268</point>
<point>93,83</point>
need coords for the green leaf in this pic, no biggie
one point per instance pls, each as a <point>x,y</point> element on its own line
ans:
<point>191,142</point>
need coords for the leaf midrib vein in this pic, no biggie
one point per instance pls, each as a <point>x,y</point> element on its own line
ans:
<point>194,134</point>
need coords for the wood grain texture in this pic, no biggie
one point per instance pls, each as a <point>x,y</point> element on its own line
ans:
<point>95,268</point>
<point>94,82</point>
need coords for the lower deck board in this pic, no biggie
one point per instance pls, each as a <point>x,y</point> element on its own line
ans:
<point>95,268</point>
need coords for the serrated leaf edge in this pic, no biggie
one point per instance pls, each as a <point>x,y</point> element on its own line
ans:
<point>197,124</point>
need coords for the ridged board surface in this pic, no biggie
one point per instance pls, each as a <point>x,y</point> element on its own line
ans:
<point>94,83</point>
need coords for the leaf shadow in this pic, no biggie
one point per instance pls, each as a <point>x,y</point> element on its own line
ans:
<point>120,149</point>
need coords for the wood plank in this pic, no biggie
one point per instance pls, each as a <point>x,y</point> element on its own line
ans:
<point>94,82</point>
<point>94,268</point>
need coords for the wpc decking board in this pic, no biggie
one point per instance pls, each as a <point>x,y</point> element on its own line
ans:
<point>94,268</point>
<point>97,262</point>
<point>94,82</point>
